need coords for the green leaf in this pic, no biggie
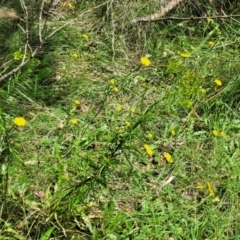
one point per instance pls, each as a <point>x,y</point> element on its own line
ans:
<point>47,234</point>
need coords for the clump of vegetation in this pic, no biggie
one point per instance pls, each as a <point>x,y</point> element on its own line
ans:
<point>118,129</point>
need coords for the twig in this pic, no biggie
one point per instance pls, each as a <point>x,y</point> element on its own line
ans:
<point>113,31</point>
<point>153,17</point>
<point>164,183</point>
<point>183,18</point>
<point>26,31</point>
<point>39,22</point>
<point>59,224</point>
<point>6,63</point>
<point>16,69</point>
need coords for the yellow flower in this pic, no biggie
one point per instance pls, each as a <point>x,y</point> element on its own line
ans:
<point>70,6</point>
<point>210,189</point>
<point>77,102</point>
<point>115,89</point>
<point>112,81</point>
<point>150,135</point>
<point>218,82</point>
<point>143,79</point>
<point>133,110</point>
<point>200,186</point>
<point>19,121</point>
<point>168,157</point>
<point>85,36</point>
<point>173,132</point>
<point>209,20</point>
<point>216,199</point>
<point>119,108</point>
<point>75,55</point>
<point>215,133</point>
<point>74,121</point>
<point>128,123</point>
<point>222,134</point>
<point>148,149</point>
<point>185,55</point>
<point>207,239</point>
<point>210,43</point>
<point>145,61</point>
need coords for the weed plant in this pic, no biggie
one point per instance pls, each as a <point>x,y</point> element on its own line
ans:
<point>121,131</point>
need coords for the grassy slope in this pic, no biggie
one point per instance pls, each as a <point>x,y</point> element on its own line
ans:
<point>94,179</point>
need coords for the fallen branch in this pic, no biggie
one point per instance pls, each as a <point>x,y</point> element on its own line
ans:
<point>191,18</point>
<point>154,17</point>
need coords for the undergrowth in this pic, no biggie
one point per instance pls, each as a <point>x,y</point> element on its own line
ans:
<point>121,131</point>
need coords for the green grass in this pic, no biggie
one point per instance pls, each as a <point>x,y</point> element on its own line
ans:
<point>94,179</point>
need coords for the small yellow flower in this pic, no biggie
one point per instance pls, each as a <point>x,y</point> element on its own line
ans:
<point>150,135</point>
<point>75,55</point>
<point>200,186</point>
<point>19,121</point>
<point>209,20</point>
<point>128,123</point>
<point>216,200</point>
<point>85,36</point>
<point>218,82</point>
<point>222,134</point>
<point>210,43</point>
<point>70,6</point>
<point>168,157</point>
<point>133,110</point>
<point>112,81</point>
<point>77,102</point>
<point>210,189</point>
<point>215,133</point>
<point>143,79</point>
<point>74,121</point>
<point>207,239</point>
<point>148,149</point>
<point>173,132</point>
<point>145,61</point>
<point>115,89</point>
<point>185,55</point>
<point>119,108</point>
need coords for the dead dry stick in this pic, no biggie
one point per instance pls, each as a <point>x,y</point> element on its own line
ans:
<point>26,30</point>
<point>197,18</point>
<point>164,183</point>
<point>153,17</point>
<point>40,21</point>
